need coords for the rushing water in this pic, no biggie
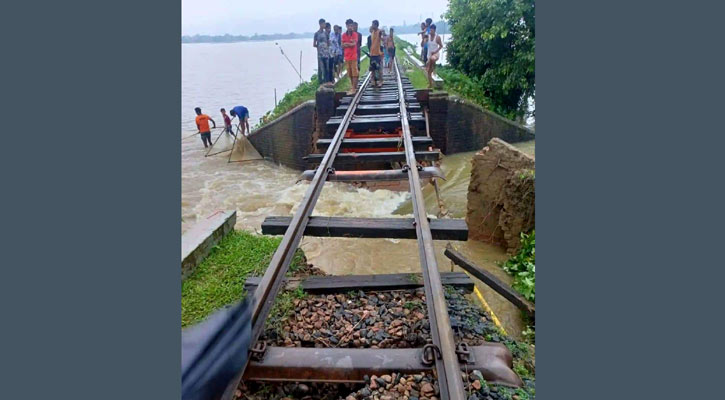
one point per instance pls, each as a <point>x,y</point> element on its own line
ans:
<point>224,75</point>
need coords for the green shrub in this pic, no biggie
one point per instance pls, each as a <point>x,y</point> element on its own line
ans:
<point>522,267</point>
<point>303,92</point>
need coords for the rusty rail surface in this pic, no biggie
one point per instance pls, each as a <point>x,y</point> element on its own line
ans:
<point>442,354</point>
<point>446,361</point>
<point>266,292</point>
<point>351,365</point>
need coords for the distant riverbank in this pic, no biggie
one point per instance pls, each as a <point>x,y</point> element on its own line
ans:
<point>241,38</point>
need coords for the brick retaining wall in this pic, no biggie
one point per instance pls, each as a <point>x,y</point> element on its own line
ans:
<point>288,138</point>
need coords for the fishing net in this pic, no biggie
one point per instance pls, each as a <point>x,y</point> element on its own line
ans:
<point>242,150</point>
<point>222,141</point>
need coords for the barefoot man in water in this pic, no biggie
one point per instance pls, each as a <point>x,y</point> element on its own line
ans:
<point>242,113</point>
<point>349,47</point>
<point>202,123</point>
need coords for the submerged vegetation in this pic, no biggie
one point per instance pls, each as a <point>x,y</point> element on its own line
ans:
<point>219,279</point>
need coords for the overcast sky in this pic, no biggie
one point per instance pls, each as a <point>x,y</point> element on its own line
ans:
<point>244,17</point>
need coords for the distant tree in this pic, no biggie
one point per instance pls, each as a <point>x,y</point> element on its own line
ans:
<point>493,42</point>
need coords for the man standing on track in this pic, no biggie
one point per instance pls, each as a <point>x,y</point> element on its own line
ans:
<point>320,42</point>
<point>242,113</point>
<point>376,55</point>
<point>335,52</point>
<point>359,43</point>
<point>329,78</point>
<point>202,123</point>
<point>350,48</point>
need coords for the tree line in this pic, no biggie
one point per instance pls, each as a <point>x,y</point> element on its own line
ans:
<point>241,38</point>
<point>493,43</point>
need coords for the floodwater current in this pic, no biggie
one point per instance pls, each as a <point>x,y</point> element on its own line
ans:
<point>225,75</point>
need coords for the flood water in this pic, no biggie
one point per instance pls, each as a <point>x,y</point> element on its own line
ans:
<point>225,75</point>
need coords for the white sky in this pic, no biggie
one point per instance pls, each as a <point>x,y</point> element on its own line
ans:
<point>244,17</point>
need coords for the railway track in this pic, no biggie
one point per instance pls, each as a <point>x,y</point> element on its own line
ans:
<point>388,112</point>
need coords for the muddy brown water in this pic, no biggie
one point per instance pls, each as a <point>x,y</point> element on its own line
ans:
<point>256,189</point>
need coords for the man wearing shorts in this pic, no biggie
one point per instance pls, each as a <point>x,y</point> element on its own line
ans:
<point>349,46</point>
<point>242,113</point>
<point>376,55</point>
<point>202,123</point>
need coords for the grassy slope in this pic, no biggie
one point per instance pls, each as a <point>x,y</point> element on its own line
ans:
<point>453,81</point>
<point>306,91</point>
<point>219,280</point>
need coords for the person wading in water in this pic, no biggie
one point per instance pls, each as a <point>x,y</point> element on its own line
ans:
<point>202,123</point>
<point>242,113</point>
<point>227,122</point>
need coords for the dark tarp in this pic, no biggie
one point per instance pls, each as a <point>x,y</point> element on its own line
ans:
<point>214,351</point>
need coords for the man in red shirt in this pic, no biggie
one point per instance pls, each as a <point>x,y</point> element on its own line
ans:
<point>349,46</point>
<point>202,122</point>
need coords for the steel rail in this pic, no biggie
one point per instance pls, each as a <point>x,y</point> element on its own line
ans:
<point>447,367</point>
<point>271,282</point>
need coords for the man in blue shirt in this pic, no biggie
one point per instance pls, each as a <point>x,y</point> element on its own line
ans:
<point>242,113</point>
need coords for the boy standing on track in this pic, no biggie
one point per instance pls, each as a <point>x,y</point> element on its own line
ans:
<point>242,113</point>
<point>390,47</point>
<point>227,122</point>
<point>350,48</point>
<point>376,55</point>
<point>202,123</point>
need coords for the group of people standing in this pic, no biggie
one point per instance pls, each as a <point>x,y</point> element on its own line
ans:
<point>431,44</point>
<point>329,51</point>
<point>335,48</point>
<point>202,123</point>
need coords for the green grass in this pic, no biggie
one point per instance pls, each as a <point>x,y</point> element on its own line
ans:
<point>344,84</point>
<point>303,92</point>
<point>454,81</point>
<point>306,91</point>
<point>282,309</point>
<point>219,279</point>
<point>417,76</point>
